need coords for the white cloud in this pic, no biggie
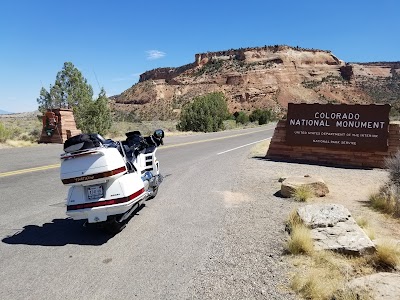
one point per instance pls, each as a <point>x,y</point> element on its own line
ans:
<point>155,54</point>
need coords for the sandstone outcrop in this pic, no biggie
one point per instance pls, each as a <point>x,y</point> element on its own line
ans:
<point>333,228</point>
<point>290,184</point>
<point>382,286</point>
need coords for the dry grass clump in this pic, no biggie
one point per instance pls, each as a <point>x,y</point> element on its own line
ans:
<point>378,201</point>
<point>364,224</point>
<point>324,276</point>
<point>303,193</point>
<point>300,241</point>
<point>386,200</point>
<point>20,143</point>
<point>370,232</point>
<point>293,220</point>
<point>387,255</point>
<point>316,284</point>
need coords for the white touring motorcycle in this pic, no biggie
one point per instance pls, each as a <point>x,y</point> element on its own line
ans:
<point>108,180</point>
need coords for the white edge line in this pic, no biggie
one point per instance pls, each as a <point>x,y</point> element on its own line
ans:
<point>242,146</point>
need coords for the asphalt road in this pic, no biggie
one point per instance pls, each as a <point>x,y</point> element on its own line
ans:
<point>45,255</point>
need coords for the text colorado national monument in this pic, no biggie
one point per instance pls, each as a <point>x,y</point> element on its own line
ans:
<point>338,126</point>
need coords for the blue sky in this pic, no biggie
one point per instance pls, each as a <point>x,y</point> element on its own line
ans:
<point>112,42</point>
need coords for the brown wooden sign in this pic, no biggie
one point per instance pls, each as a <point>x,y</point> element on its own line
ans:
<point>338,126</point>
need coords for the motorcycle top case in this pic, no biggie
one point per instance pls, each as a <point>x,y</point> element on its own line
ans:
<point>91,166</point>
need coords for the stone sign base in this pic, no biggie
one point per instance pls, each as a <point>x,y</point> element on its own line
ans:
<point>279,150</point>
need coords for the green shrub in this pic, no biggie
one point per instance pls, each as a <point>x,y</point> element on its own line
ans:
<point>264,118</point>
<point>5,133</point>
<point>261,116</point>
<point>255,115</point>
<point>94,116</point>
<point>35,135</point>
<point>210,68</point>
<point>229,124</point>
<point>242,118</point>
<point>205,114</point>
<point>15,132</point>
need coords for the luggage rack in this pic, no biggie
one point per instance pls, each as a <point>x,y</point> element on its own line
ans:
<point>69,155</point>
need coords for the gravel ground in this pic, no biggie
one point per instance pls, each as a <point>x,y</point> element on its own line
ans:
<point>248,260</point>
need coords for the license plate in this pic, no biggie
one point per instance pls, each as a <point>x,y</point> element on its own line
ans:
<point>95,192</point>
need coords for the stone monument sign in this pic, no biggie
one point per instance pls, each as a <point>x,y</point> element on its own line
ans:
<point>338,126</point>
<point>58,125</point>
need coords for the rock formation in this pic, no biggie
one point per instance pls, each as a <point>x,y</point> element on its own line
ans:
<point>262,77</point>
<point>333,228</point>
<point>382,286</point>
<point>317,185</point>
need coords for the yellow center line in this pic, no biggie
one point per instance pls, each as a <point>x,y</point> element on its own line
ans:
<point>214,139</point>
<point>29,170</point>
<point>17,172</point>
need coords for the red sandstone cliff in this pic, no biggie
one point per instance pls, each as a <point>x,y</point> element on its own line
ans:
<point>262,77</point>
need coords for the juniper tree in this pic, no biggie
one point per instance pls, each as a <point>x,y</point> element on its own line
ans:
<point>72,91</point>
<point>206,113</point>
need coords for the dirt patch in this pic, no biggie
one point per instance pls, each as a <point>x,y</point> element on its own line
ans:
<point>234,199</point>
<point>353,190</point>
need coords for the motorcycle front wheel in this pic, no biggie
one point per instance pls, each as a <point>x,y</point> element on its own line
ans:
<point>154,194</point>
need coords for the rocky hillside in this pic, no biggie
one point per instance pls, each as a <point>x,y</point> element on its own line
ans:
<point>262,77</point>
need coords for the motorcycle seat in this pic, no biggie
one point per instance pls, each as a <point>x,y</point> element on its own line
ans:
<point>82,142</point>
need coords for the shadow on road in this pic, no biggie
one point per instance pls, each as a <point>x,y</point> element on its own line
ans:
<point>309,162</point>
<point>59,232</point>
